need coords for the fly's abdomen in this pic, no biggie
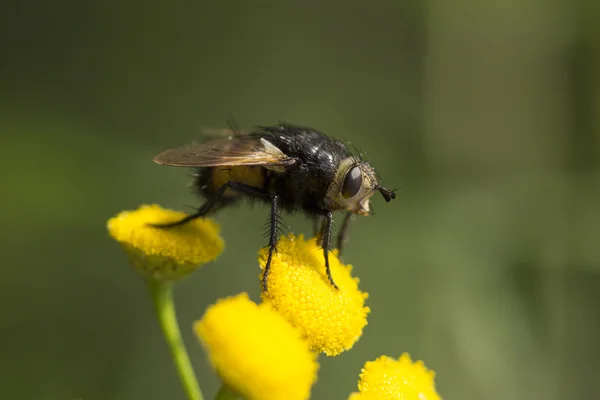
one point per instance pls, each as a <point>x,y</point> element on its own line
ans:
<point>214,178</point>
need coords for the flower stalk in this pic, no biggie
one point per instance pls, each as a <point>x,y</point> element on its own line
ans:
<point>162,296</point>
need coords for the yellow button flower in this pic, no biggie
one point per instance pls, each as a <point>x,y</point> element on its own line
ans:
<point>390,379</point>
<point>365,396</point>
<point>255,351</point>
<point>332,320</point>
<point>165,254</point>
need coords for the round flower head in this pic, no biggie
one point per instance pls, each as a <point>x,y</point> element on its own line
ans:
<point>165,254</point>
<point>365,396</point>
<point>331,319</point>
<point>390,379</point>
<point>255,351</point>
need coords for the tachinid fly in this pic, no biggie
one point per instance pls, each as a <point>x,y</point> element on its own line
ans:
<point>292,168</point>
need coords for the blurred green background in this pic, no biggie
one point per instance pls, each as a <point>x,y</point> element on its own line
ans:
<point>486,115</point>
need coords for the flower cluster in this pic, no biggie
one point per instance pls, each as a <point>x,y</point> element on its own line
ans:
<point>269,350</point>
<point>165,254</point>
<point>390,379</point>
<point>332,320</point>
<point>256,351</point>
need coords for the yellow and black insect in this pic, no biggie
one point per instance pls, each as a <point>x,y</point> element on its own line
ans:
<point>290,167</point>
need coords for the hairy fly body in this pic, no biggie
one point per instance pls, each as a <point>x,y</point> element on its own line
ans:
<point>290,167</point>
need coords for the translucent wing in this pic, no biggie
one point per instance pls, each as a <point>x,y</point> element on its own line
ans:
<point>236,150</point>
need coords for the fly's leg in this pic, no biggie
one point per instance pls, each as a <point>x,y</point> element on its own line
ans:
<point>202,211</point>
<point>208,206</point>
<point>272,238</point>
<point>248,190</point>
<point>326,242</point>
<point>343,233</point>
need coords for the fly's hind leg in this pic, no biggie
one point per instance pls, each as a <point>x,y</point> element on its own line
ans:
<point>207,207</point>
<point>252,192</point>
<point>182,221</point>
<point>272,238</point>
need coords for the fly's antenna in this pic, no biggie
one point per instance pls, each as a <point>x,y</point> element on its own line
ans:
<point>387,194</point>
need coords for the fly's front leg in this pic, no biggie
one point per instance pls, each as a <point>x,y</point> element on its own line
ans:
<point>326,241</point>
<point>343,233</point>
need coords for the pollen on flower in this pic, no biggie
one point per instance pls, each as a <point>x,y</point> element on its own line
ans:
<point>165,254</point>
<point>367,396</point>
<point>255,351</point>
<point>390,379</point>
<point>332,320</point>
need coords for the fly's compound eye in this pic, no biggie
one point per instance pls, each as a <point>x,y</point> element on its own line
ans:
<point>352,183</point>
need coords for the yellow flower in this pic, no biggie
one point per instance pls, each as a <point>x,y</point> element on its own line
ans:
<point>165,254</point>
<point>390,379</point>
<point>364,396</point>
<point>332,320</point>
<point>255,351</point>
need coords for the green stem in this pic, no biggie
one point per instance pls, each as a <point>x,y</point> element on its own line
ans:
<point>162,295</point>
<point>225,393</point>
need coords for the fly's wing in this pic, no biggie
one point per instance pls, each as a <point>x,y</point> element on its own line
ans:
<point>238,150</point>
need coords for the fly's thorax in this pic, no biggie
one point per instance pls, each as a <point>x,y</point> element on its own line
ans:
<point>352,187</point>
